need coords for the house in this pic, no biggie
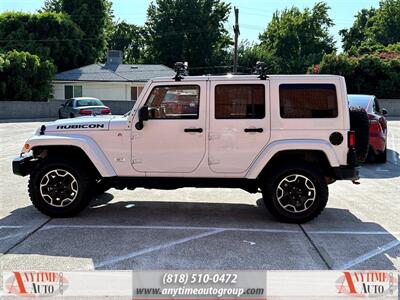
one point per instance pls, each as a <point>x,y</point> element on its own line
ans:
<point>110,81</point>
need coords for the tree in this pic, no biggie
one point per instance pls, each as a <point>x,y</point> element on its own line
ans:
<point>373,28</point>
<point>299,38</point>
<point>248,55</point>
<point>24,76</point>
<point>51,6</point>
<point>187,30</point>
<point>385,24</point>
<point>129,39</point>
<point>94,18</point>
<point>357,34</point>
<point>49,35</point>
<point>91,16</point>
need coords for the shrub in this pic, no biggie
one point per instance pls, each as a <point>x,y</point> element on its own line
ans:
<point>24,76</point>
<point>377,74</point>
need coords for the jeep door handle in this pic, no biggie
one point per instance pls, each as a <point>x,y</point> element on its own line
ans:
<point>254,130</point>
<point>200,130</point>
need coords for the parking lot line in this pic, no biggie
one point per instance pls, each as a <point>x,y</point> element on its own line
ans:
<point>352,232</point>
<point>156,248</point>
<point>368,255</point>
<point>47,227</point>
<point>345,232</point>
<point>11,226</point>
<point>12,236</point>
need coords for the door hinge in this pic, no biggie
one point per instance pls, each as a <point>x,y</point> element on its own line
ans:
<point>212,161</point>
<point>213,136</point>
<point>135,136</point>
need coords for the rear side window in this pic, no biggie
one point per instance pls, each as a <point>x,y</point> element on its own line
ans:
<point>240,101</point>
<point>300,101</point>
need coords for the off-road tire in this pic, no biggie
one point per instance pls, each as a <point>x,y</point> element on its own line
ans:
<point>83,183</point>
<point>269,187</point>
<point>359,123</point>
<point>100,187</point>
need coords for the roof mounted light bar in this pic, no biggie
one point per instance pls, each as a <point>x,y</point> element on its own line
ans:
<point>261,70</point>
<point>181,70</point>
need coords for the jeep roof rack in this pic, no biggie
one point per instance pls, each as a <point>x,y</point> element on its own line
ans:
<point>261,70</point>
<point>180,69</point>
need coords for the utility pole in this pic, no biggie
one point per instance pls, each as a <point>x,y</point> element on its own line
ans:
<point>237,33</point>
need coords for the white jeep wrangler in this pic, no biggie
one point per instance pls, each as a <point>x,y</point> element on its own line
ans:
<point>287,136</point>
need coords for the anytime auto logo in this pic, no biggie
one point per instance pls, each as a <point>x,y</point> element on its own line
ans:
<point>36,283</point>
<point>367,283</point>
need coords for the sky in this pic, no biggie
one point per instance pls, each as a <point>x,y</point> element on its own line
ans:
<point>254,15</point>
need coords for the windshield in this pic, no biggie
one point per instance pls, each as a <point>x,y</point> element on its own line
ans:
<point>357,101</point>
<point>89,102</point>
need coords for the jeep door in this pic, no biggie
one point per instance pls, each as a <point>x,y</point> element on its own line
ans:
<point>239,124</point>
<point>173,140</point>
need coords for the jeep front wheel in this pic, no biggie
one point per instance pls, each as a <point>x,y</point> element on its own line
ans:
<point>59,188</point>
<point>295,193</point>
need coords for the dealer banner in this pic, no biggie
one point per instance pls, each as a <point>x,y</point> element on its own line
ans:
<point>192,284</point>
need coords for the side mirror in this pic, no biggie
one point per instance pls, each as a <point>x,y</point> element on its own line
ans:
<point>143,116</point>
<point>384,111</point>
<point>144,113</point>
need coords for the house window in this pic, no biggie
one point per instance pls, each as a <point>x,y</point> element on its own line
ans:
<point>240,101</point>
<point>308,101</point>
<point>135,92</point>
<point>72,91</point>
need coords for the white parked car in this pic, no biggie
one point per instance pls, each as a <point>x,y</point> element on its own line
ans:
<point>286,136</point>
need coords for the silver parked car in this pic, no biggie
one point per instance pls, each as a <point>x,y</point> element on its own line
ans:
<point>82,106</point>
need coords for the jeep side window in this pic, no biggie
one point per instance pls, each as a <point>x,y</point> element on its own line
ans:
<point>174,102</point>
<point>240,101</point>
<point>308,101</point>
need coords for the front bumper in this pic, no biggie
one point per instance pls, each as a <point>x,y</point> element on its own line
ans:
<point>23,165</point>
<point>346,173</point>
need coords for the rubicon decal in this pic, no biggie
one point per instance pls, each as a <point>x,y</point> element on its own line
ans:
<point>79,126</point>
<point>36,284</point>
<point>367,283</point>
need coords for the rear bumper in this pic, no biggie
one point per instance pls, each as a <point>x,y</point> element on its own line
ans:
<point>346,173</point>
<point>22,166</point>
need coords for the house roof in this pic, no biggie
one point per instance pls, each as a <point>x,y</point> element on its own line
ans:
<point>115,73</point>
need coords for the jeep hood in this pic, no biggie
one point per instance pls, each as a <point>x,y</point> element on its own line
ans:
<point>80,123</point>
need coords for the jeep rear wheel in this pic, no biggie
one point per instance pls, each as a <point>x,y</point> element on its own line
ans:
<point>295,193</point>
<point>59,188</point>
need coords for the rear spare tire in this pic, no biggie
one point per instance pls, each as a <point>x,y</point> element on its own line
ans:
<point>359,123</point>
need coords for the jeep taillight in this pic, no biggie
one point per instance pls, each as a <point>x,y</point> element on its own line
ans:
<point>351,139</point>
<point>85,112</point>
